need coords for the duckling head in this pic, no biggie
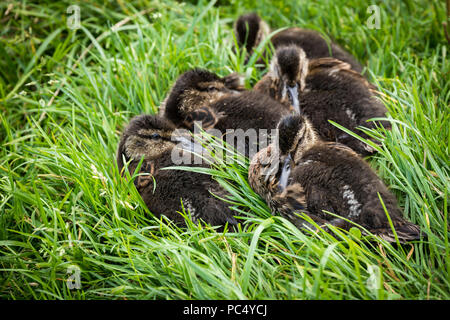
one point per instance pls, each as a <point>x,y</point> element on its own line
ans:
<point>246,30</point>
<point>145,136</point>
<point>289,67</point>
<point>195,88</point>
<point>250,30</point>
<point>295,135</point>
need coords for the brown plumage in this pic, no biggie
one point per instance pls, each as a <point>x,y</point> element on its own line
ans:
<point>153,138</point>
<point>325,89</point>
<point>251,30</point>
<point>326,176</point>
<point>192,88</point>
<point>198,96</point>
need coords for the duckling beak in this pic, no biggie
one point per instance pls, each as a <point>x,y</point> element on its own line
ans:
<point>293,97</point>
<point>285,172</point>
<point>185,142</point>
<point>188,144</point>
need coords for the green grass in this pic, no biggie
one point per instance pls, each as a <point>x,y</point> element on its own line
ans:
<point>62,202</point>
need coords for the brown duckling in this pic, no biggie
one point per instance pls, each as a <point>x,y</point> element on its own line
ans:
<point>325,89</point>
<point>153,138</point>
<point>326,176</point>
<point>209,84</point>
<point>198,96</point>
<point>251,30</point>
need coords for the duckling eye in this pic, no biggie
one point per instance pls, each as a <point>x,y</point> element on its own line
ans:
<point>155,136</point>
<point>211,88</point>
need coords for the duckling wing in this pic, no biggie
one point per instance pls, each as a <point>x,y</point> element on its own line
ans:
<point>336,69</point>
<point>358,77</point>
<point>349,110</point>
<point>322,182</point>
<point>332,65</point>
<point>341,148</point>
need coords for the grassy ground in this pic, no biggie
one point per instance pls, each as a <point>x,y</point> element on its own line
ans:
<point>64,209</point>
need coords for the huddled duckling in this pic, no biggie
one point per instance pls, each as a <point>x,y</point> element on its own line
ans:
<point>206,84</point>
<point>325,89</point>
<point>315,175</point>
<point>250,30</point>
<point>153,138</point>
<point>199,95</point>
<point>194,89</point>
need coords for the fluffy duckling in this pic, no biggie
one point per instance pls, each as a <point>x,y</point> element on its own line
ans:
<point>325,89</point>
<point>193,89</point>
<point>251,30</point>
<point>327,176</point>
<point>198,85</point>
<point>153,138</point>
<point>198,95</point>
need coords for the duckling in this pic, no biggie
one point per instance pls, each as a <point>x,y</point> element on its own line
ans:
<point>325,89</point>
<point>208,83</point>
<point>251,30</point>
<point>198,95</point>
<point>326,176</point>
<point>154,138</point>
